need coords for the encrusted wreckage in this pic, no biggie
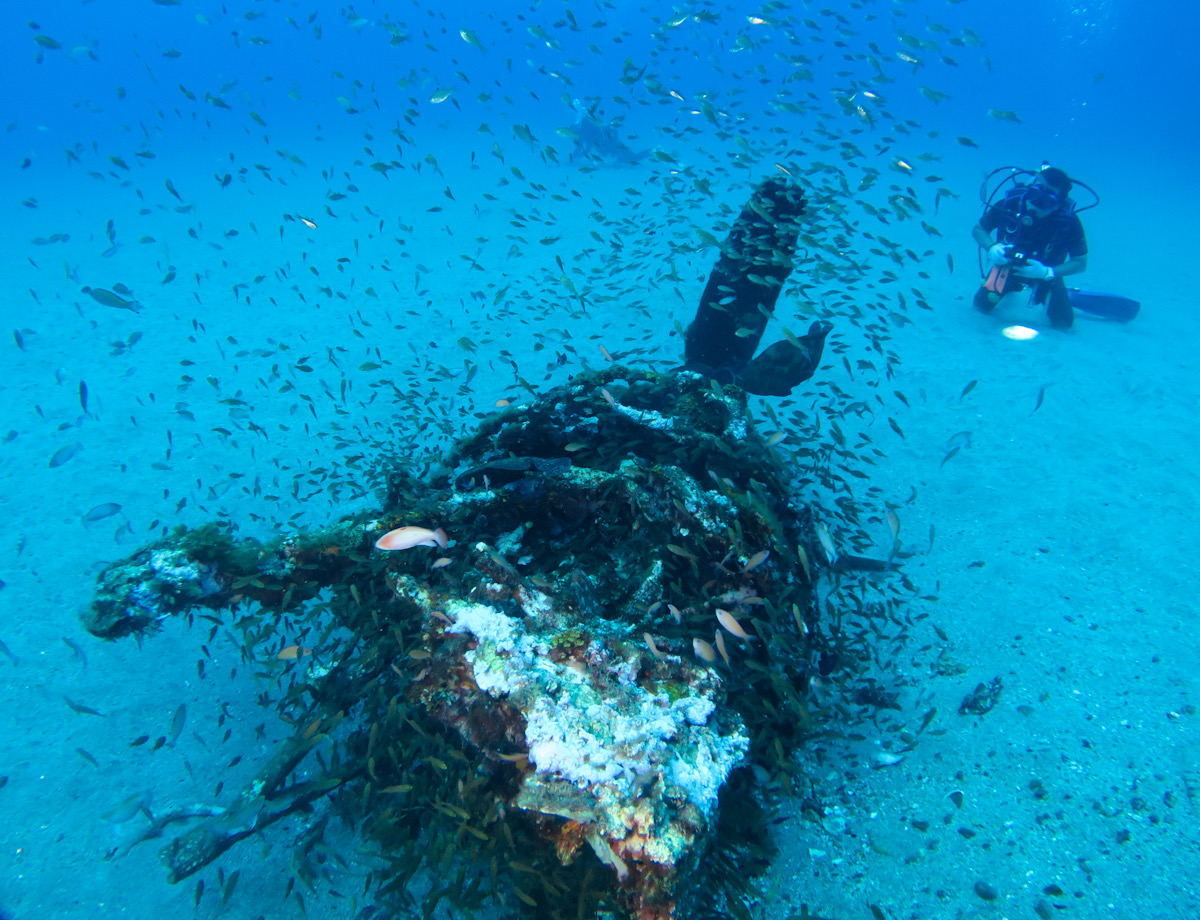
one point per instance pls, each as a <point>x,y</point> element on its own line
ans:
<point>579,652</point>
<point>547,711</point>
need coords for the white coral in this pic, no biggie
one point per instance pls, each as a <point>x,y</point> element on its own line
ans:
<point>586,733</point>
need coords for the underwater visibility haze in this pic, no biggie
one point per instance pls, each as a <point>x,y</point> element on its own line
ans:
<point>599,460</point>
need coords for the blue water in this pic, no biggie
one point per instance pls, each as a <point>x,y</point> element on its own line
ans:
<point>179,150</point>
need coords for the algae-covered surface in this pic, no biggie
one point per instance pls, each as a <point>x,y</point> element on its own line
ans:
<point>561,658</point>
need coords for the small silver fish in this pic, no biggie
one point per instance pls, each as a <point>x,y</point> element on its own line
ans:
<point>100,512</point>
<point>109,299</point>
<point>77,649</point>
<point>177,724</point>
<point>63,454</point>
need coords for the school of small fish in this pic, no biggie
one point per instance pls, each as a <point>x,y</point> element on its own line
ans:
<point>457,137</point>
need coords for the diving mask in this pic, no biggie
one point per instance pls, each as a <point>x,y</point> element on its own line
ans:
<point>1042,197</point>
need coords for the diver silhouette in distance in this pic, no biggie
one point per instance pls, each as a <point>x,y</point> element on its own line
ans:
<point>598,140</point>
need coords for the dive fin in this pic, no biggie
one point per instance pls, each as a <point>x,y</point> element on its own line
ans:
<point>1109,306</point>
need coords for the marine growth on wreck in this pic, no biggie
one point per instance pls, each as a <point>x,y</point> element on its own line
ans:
<point>546,711</point>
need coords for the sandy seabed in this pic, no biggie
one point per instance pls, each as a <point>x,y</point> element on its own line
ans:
<point>1061,562</point>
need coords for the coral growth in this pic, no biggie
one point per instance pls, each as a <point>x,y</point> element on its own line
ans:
<point>537,694</point>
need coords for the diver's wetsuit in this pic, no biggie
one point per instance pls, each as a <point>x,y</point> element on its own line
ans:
<point>1052,240</point>
<point>740,296</point>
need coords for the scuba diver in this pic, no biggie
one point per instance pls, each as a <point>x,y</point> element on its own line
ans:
<point>739,299</point>
<point>1039,240</point>
<point>597,140</point>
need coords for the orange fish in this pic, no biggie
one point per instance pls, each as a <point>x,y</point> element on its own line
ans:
<point>719,640</point>
<point>408,537</point>
<point>292,652</point>
<point>653,648</point>
<point>804,561</point>
<point>757,559</point>
<point>893,520</point>
<point>727,619</point>
<point>826,542</point>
